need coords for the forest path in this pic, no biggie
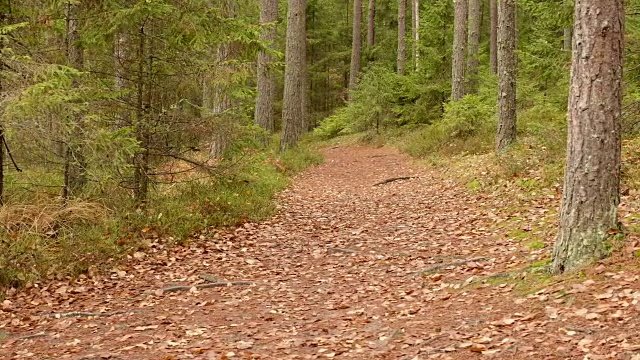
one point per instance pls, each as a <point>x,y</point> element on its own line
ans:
<point>337,273</point>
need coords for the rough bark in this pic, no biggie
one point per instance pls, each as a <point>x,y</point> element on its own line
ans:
<point>1,163</point>
<point>356,45</point>
<point>75,177</point>
<point>415,31</point>
<point>475,16</point>
<point>371,24</point>
<point>459,50</point>
<point>294,101</point>
<point>493,35</point>
<point>589,209</point>
<point>264,115</point>
<point>507,71</point>
<point>402,47</point>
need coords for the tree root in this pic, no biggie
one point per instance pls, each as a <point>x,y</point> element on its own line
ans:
<point>395,179</point>
<point>206,286</point>
<point>435,268</point>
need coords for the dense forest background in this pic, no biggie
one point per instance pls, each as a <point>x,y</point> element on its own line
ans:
<point>128,120</point>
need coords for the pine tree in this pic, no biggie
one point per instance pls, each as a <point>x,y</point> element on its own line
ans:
<point>265,100</point>
<point>507,71</point>
<point>589,209</point>
<point>294,116</point>
<point>402,47</point>
<point>356,44</point>
<point>459,50</point>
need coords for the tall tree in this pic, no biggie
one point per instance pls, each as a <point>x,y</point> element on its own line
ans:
<point>356,45</point>
<point>265,100</point>
<point>294,112</point>
<point>459,50</point>
<point>507,71</point>
<point>493,35</point>
<point>415,31</point>
<point>402,30</point>
<point>475,15</point>
<point>371,24</point>
<point>589,210</point>
<point>74,164</point>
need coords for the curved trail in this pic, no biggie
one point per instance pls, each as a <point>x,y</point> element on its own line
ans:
<point>338,273</point>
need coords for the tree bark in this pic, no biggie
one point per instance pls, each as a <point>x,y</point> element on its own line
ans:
<point>356,45</point>
<point>75,177</point>
<point>507,71</point>
<point>475,15</point>
<point>294,102</point>
<point>264,116</point>
<point>415,31</point>
<point>401,60</point>
<point>589,209</point>
<point>371,24</point>
<point>493,35</point>
<point>459,50</point>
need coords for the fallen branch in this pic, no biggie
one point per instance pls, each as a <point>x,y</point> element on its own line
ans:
<point>435,268</point>
<point>86,314</point>
<point>339,250</point>
<point>395,179</point>
<point>206,286</point>
<point>32,336</point>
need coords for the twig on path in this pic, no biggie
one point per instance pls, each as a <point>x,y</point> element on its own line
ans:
<point>435,268</point>
<point>87,314</point>
<point>32,336</point>
<point>206,286</point>
<point>339,250</point>
<point>394,179</point>
<point>378,156</point>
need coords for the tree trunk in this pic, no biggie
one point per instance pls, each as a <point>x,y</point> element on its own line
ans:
<point>264,116</point>
<point>589,210</point>
<point>459,50</point>
<point>294,98</point>
<point>1,162</point>
<point>415,31</point>
<point>507,70</point>
<point>493,35</point>
<point>475,15</point>
<point>75,177</point>
<point>356,45</point>
<point>371,24</point>
<point>141,158</point>
<point>402,12</point>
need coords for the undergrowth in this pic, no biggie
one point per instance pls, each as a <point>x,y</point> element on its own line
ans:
<point>47,239</point>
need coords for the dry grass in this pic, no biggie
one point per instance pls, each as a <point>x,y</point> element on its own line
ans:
<point>47,219</point>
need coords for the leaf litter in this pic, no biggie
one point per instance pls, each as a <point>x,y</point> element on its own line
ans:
<point>418,268</point>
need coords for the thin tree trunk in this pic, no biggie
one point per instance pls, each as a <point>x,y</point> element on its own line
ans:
<point>507,71</point>
<point>459,50</point>
<point>356,45</point>
<point>493,35</point>
<point>141,158</point>
<point>402,57</point>
<point>264,115</point>
<point>371,24</point>
<point>294,101</point>
<point>75,177</point>
<point>589,209</point>
<point>415,31</point>
<point>475,16</point>
<point>1,162</point>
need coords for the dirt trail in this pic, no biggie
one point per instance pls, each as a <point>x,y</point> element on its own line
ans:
<point>337,273</point>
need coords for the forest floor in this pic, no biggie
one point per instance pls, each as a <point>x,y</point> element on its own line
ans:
<point>350,268</point>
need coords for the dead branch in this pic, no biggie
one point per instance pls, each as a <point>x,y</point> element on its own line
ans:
<point>86,314</point>
<point>435,268</point>
<point>395,179</point>
<point>339,250</point>
<point>206,286</point>
<point>32,336</point>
